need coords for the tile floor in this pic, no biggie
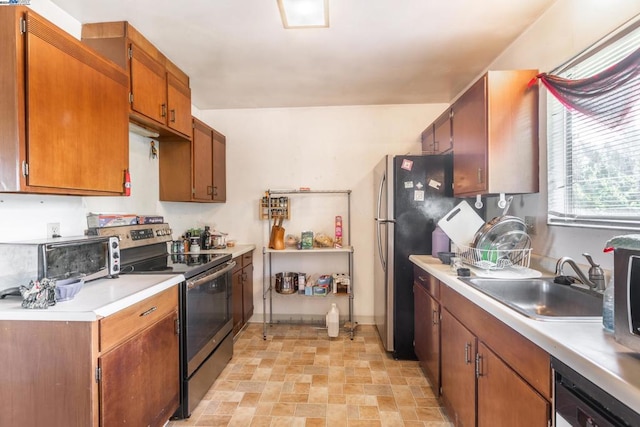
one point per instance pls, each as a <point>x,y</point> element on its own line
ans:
<point>300,377</point>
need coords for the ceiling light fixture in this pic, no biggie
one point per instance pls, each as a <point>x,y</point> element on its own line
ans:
<point>304,13</point>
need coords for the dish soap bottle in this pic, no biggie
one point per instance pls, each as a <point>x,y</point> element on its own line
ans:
<point>607,307</point>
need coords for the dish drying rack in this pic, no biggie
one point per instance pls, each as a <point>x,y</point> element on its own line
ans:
<point>494,259</point>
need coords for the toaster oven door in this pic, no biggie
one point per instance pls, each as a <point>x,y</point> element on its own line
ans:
<point>81,258</point>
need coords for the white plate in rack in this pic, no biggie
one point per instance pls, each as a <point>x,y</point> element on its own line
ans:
<point>513,272</point>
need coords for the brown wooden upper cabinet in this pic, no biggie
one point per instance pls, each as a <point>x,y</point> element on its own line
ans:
<point>194,171</point>
<point>495,135</point>
<point>159,96</point>
<point>209,164</point>
<point>437,138</point>
<point>64,127</point>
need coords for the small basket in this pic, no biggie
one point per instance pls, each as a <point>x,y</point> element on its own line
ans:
<point>494,259</point>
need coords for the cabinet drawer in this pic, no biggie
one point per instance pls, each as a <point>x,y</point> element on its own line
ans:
<point>247,259</point>
<point>427,281</point>
<point>238,265</point>
<point>133,319</point>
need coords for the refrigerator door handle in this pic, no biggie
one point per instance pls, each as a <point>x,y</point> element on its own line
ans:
<point>380,222</point>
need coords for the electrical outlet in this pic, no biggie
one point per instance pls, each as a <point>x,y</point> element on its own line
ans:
<point>530,223</point>
<point>53,229</point>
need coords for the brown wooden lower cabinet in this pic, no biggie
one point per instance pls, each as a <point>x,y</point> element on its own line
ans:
<point>139,378</point>
<point>490,374</point>
<point>63,373</point>
<point>242,291</point>
<point>427,328</point>
<point>505,399</point>
<point>458,371</point>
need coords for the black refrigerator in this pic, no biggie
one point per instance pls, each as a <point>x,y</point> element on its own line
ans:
<point>411,194</point>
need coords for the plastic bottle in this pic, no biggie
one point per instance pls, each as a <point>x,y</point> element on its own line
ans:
<point>607,307</point>
<point>333,321</point>
<point>439,242</point>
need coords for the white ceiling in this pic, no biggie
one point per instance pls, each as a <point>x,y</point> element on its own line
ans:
<point>238,55</point>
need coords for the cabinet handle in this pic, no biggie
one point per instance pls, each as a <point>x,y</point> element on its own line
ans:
<point>480,180</point>
<point>215,190</point>
<point>478,365</point>
<point>436,146</point>
<point>163,110</point>
<point>244,277</point>
<point>209,190</point>
<point>467,353</point>
<point>434,317</point>
<point>148,312</point>
<point>173,116</point>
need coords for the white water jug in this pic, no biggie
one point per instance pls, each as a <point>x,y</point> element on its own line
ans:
<point>333,321</point>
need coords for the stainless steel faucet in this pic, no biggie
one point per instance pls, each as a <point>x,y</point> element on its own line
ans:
<point>596,276</point>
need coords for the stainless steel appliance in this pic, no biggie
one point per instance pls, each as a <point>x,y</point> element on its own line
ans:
<point>90,257</point>
<point>206,320</point>
<point>627,297</point>
<point>411,194</point>
<point>580,403</point>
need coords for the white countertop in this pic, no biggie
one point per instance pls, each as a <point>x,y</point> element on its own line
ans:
<point>102,297</point>
<point>582,345</point>
<point>97,298</point>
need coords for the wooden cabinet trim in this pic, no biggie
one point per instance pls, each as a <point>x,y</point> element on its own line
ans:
<point>527,359</point>
<point>130,321</point>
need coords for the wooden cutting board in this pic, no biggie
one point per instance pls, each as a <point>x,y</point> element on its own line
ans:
<point>461,224</point>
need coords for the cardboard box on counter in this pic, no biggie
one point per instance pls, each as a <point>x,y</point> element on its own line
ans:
<point>110,220</point>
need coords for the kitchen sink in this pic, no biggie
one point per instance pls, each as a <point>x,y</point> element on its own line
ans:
<point>542,299</point>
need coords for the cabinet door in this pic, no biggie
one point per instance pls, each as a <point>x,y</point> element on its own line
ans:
<point>470,141</point>
<point>202,161</point>
<point>237,299</point>
<point>442,142</point>
<point>427,335</point>
<point>179,105</point>
<point>427,138</point>
<point>148,86</point>
<point>458,371</point>
<point>505,399</point>
<point>219,167</point>
<point>140,383</point>
<point>77,120</point>
<point>247,293</point>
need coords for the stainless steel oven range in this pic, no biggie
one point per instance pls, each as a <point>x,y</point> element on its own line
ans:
<point>206,320</point>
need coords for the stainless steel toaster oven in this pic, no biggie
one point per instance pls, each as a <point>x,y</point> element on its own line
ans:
<point>90,257</point>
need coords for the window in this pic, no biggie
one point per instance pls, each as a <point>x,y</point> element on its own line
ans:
<point>594,166</point>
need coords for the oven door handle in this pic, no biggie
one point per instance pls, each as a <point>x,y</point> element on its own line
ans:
<point>207,278</point>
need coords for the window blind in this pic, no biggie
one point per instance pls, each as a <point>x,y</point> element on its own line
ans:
<point>594,167</point>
